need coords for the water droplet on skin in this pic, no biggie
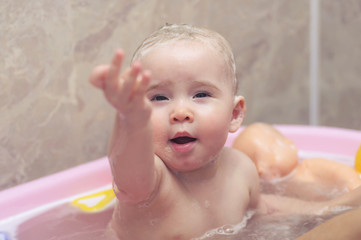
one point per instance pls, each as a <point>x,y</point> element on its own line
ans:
<point>228,230</point>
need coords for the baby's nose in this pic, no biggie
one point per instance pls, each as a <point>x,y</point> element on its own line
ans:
<point>181,114</point>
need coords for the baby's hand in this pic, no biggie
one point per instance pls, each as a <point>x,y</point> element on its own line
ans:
<point>126,93</point>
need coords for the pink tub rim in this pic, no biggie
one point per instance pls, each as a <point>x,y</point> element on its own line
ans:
<point>96,174</point>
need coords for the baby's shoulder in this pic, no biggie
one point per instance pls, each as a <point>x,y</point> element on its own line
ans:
<point>235,156</point>
<point>239,161</point>
<point>241,171</point>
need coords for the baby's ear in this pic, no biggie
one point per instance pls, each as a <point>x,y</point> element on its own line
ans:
<point>239,111</point>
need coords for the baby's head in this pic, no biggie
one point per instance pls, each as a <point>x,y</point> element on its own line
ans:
<point>171,33</point>
<point>192,94</point>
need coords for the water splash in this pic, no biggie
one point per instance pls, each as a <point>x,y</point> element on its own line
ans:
<point>228,229</point>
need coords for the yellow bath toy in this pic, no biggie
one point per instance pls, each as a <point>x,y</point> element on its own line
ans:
<point>95,202</point>
<point>358,160</point>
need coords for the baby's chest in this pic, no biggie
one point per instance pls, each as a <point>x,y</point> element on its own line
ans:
<point>183,221</point>
<point>182,216</point>
<point>213,208</point>
<point>197,217</point>
<point>226,208</point>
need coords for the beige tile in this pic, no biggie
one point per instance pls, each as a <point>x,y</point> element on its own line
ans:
<point>340,85</point>
<point>52,119</point>
<point>271,48</point>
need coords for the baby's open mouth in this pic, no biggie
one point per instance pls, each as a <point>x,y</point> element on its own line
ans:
<point>183,140</point>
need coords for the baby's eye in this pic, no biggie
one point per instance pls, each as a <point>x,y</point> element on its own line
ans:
<point>202,95</point>
<point>159,98</point>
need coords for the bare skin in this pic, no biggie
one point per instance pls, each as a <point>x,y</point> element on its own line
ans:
<point>173,178</point>
<point>276,156</point>
<point>344,226</point>
<point>328,172</point>
<point>167,189</point>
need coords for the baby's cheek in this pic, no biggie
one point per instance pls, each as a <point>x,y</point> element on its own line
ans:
<point>214,129</point>
<point>158,119</point>
<point>159,127</point>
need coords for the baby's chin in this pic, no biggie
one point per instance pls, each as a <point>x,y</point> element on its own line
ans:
<point>186,169</point>
<point>196,171</point>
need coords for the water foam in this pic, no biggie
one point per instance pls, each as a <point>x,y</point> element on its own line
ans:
<point>228,229</point>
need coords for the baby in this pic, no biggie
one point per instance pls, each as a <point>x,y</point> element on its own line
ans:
<point>176,104</point>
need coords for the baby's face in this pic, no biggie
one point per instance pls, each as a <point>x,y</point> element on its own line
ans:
<point>192,103</point>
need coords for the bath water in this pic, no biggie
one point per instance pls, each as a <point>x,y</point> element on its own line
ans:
<point>66,222</point>
<point>271,227</point>
<point>280,226</point>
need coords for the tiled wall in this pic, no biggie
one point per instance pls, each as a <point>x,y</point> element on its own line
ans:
<point>52,119</point>
<point>340,63</point>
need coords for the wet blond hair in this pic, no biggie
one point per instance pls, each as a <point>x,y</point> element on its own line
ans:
<point>176,32</point>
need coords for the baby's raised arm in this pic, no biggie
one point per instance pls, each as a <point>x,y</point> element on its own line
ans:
<point>130,152</point>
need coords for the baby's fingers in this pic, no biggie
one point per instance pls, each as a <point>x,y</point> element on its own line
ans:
<point>112,81</point>
<point>98,76</point>
<point>130,78</point>
<point>142,84</point>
